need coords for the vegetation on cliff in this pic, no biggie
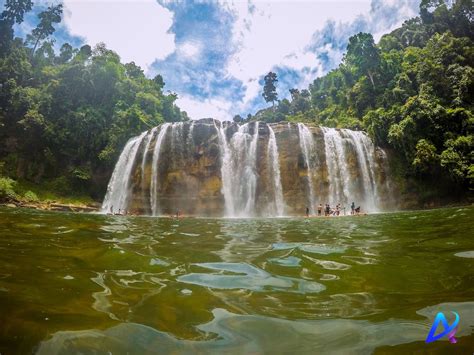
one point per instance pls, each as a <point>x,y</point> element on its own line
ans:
<point>412,92</point>
<point>65,118</point>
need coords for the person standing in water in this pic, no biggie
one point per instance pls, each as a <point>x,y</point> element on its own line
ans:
<point>353,206</point>
<point>307,211</point>
<point>320,209</point>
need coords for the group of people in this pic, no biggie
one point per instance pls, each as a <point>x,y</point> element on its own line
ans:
<point>328,211</point>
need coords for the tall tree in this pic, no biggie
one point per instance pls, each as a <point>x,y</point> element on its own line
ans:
<point>45,27</point>
<point>363,55</point>
<point>269,88</point>
<point>426,9</point>
<point>65,53</point>
<point>295,93</point>
<point>13,13</point>
<point>15,10</point>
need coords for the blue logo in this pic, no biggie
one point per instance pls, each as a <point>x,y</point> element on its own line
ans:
<point>449,330</point>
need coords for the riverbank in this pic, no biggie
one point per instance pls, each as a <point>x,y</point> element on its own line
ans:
<point>24,194</point>
<point>53,206</point>
<point>20,194</point>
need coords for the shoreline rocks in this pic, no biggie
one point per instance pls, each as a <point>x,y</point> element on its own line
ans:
<point>54,206</point>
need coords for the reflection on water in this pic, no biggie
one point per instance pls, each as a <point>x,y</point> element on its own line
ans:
<point>250,334</point>
<point>78,283</point>
<point>253,279</point>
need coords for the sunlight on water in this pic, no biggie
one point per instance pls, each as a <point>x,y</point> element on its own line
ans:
<point>78,283</point>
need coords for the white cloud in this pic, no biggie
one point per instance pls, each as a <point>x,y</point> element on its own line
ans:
<point>265,35</point>
<point>281,34</point>
<point>276,34</point>
<point>219,109</point>
<point>190,50</point>
<point>137,30</point>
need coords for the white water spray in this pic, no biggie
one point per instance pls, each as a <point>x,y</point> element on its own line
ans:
<point>118,189</point>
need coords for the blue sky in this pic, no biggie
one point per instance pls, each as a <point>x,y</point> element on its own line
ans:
<point>215,54</point>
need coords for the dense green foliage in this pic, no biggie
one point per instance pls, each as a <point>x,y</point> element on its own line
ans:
<point>65,117</point>
<point>413,92</point>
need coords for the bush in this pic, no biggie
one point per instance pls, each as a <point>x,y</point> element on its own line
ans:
<point>7,189</point>
<point>30,196</point>
<point>59,186</point>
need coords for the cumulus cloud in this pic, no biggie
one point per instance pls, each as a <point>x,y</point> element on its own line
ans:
<point>214,54</point>
<point>137,30</point>
<point>204,108</point>
<point>301,41</point>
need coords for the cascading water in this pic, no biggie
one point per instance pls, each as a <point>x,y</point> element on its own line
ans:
<point>307,148</point>
<point>339,178</point>
<point>273,159</point>
<point>239,173</point>
<point>116,198</point>
<point>365,158</point>
<point>190,139</point>
<point>149,138</point>
<point>226,169</point>
<point>154,169</point>
<point>209,167</point>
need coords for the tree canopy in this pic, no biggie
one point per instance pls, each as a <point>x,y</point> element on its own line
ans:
<point>412,92</point>
<point>65,117</point>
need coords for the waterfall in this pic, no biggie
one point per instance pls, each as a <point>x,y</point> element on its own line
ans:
<point>226,169</point>
<point>339,178</point>
<point>148,140</point>
<point>177,140</point>
<point>365,157</point>
<point>118,189</point>
<point>190,138</point>
<point>209,167</point>
<point>240,171</point>
<point>273,158</point>
<point>307,148</point>
<point>154,169</point>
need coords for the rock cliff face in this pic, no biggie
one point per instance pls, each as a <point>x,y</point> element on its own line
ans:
<point>209,168</point>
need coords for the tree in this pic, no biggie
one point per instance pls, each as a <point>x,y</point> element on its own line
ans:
<point>425,156</point>
<point>134,71</point>
<point>426,9</point>
<point>300,101</point>
<point>363,55</point>
<point>45,27</point>
<point>269,89</point>
<point>15,10</point>
<point>13,13</point>
<point>294,94</point>
<point>65,53</point>
<point>457,158</point>
<point>85,52</point>
<point>158,80</point>
<point>237,119</point>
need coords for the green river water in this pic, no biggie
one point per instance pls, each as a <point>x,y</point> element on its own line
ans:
<point>94,284</point>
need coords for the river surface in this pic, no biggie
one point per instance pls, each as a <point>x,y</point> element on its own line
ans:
<point>79,283</point>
